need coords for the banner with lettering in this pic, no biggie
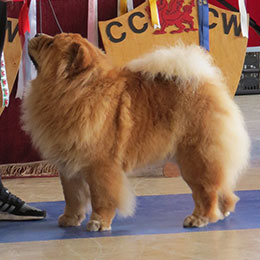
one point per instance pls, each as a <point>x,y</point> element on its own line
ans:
<point>253,8</point>
<point>135,33</point>
<point>12,54</point>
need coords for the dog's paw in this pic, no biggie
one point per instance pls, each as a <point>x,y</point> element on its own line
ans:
<point>70,221</point>
<point>194,221</point>
<point>226,214</point>
<point>95,225</point>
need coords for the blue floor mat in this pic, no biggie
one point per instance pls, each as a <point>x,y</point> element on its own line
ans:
<point>162,214</point>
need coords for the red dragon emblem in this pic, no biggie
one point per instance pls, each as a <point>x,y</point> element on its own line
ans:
<point>175,13</point>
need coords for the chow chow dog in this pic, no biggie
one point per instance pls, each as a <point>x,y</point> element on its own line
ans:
<point>96,122</point>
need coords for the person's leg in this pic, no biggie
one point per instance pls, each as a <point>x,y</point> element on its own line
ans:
<point>1,184</point>
<point>13,208</point>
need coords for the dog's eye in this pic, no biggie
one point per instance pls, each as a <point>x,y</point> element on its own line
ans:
<point>49,44</point>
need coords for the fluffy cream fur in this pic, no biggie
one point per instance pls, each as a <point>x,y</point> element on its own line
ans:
<point>168,61</point>
<point>97,122</point>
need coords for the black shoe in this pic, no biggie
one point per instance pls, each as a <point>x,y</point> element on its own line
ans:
<point>13,208</point>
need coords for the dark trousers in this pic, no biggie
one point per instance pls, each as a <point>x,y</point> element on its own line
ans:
<point>3,18</point>
<point>1,185</point>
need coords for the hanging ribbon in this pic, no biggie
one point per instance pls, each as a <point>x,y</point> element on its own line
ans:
<point>93,21</point>
<point>124,6</point>
<point>4,84</point>
<point>24,25</point>
<point>130,5</point>
<point>121,7</point>
<point>243,18</point>
<point>203,13</point>
<point>28,24</point>
<point>154,14</point>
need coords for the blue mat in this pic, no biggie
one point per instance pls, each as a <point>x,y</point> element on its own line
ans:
<point>162,214</point>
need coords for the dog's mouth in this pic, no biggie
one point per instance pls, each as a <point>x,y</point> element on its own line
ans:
<point>34,62</point>
<point>33,43</point>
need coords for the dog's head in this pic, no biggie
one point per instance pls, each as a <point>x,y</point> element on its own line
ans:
<point>64,55</point>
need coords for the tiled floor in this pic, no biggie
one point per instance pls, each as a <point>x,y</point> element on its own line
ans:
<point>223,245</point>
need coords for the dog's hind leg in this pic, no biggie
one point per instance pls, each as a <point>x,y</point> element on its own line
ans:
<point>227,198</point>
<point>204,179</point>
<point>77,198</point>
<point>227,201</point>
<point>109,191</point>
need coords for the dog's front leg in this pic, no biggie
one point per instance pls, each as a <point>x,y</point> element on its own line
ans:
<point>77,197</point>
<point>106,184</point>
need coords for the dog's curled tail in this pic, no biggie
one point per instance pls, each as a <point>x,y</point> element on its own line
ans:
<point>185,64</point>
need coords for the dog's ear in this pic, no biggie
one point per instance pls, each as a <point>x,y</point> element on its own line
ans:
<point>79,59</point>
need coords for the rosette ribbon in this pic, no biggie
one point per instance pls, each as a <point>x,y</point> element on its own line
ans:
<point>203,13</point>
<point>154,14</point>
<point>243,18</point>
<point>93,21</point>
<point>4,83</point>
<point>27,30</point>
<point>124,6</point>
